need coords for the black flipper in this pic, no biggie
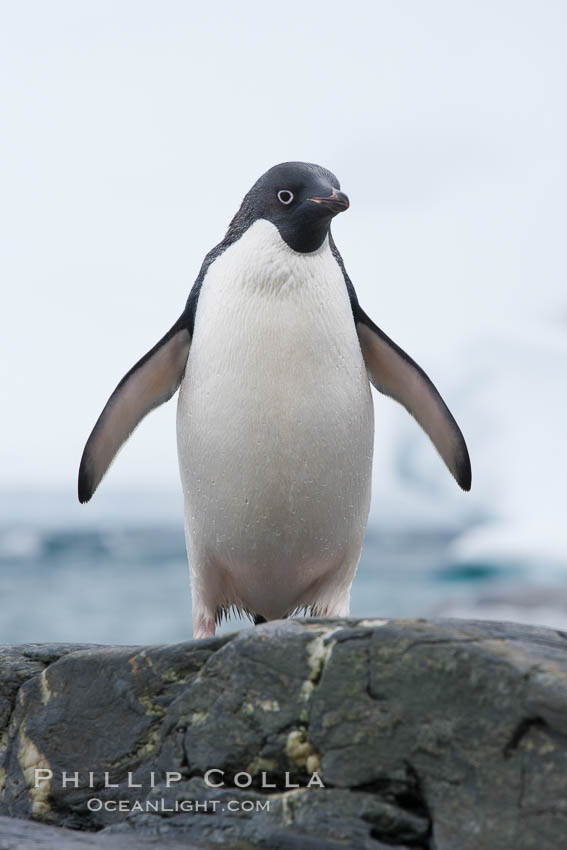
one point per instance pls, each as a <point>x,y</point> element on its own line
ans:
<point>152,381</point>
<point>394,373</point>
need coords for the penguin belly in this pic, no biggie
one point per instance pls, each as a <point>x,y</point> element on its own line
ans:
<point>275,433</point>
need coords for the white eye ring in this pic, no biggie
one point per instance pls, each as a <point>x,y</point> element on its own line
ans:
<point>285,196</point>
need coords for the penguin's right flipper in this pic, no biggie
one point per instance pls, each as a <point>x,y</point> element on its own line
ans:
<point>153,380</point>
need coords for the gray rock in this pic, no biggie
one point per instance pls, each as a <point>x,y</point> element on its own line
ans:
<point>438,734</point>
<point>16,834</point>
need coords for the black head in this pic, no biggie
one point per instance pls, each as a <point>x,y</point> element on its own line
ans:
<point>299,198</point>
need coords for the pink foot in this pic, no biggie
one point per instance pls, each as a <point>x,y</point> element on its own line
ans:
<point>204,627</point>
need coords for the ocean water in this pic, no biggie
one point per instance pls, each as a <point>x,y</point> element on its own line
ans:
<point>117,573</point>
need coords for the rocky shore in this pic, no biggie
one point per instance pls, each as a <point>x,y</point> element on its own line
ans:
<point>323,734</point>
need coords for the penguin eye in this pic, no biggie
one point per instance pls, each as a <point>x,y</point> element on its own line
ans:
<point>285,196</point>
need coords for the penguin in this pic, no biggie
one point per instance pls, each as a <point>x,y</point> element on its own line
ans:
<point>273,357</point>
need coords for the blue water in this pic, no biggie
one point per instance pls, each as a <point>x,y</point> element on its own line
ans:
<point>123,577</point>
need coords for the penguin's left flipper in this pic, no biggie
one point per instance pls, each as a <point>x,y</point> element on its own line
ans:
<point>395,374</point>
<point>152,381</point>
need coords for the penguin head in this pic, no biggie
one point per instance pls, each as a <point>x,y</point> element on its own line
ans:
<point>298,198</point>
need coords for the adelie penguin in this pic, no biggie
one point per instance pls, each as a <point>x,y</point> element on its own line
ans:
<point>273,356</point>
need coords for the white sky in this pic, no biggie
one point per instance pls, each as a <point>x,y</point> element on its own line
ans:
<point>129,132</point>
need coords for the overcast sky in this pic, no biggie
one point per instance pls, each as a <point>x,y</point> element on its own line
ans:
<point>129,132</point>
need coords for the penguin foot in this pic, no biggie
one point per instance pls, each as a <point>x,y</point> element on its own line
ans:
<point>204,627</point>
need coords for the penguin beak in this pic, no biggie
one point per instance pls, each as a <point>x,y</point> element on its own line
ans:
<point>336,202</point>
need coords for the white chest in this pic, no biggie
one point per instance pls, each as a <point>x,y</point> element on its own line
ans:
<point>275,420</point>
<point>269,318</point>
